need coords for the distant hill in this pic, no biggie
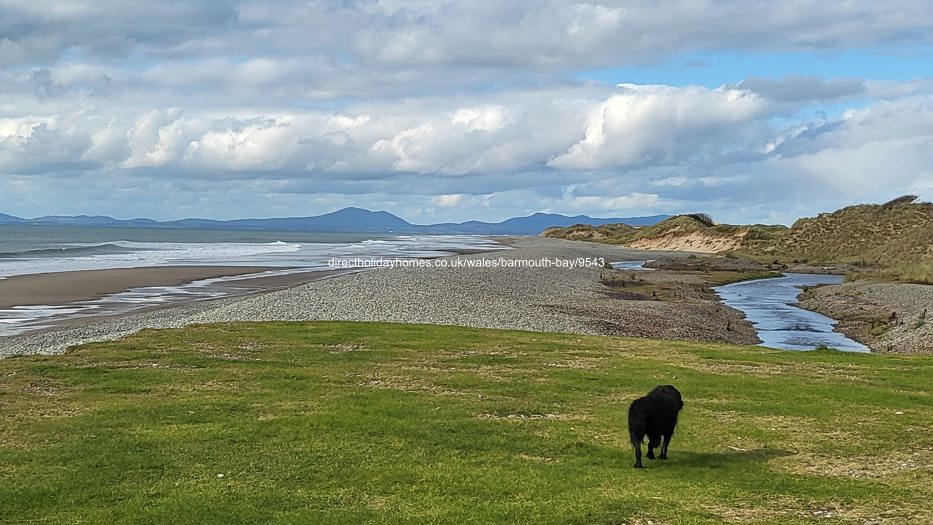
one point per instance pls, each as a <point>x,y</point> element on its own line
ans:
<point>9,219</point>
<point>345,220</point>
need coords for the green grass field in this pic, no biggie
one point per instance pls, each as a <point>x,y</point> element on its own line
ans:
<point>373,423</point>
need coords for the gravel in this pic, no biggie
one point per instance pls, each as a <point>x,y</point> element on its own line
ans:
<point>865,313</point>
<point>527,298</point>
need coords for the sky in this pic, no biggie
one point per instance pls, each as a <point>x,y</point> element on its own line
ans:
<point>751,110</point>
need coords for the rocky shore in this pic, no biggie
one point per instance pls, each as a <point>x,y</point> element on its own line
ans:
<point>491,290</point>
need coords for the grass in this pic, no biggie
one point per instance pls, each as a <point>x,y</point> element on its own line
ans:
<point>375,423</point>
<point>917,273</point>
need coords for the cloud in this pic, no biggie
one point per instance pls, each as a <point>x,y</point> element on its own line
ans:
<point>40,31</point>
<point>228,108</point>
<point>255,145</point>
<point>726,145</point>
<point>488,119</point>
<point>615,204</point>
<point>447,201</point>
<point>803,88</point>
<point>522,131</point>
<point>663,125</point>
<point>519,34</point>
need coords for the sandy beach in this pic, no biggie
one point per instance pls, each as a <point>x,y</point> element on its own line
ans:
<point>66,287</point>
<point>495,294</point>
<point>32,303</point>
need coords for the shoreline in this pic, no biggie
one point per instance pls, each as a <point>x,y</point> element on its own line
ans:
<point>249,284</point>
<point>80,303</point>
<point>568,300</point>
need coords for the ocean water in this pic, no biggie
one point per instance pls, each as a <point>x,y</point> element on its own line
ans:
<point>42,249</point>
<point>769,305</point>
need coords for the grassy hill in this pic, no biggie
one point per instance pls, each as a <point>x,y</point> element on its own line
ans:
<point>896,237</point>
<point>695,232</point>
<point>371,423</point>
<point>890,240</point>
<point>607,233</point>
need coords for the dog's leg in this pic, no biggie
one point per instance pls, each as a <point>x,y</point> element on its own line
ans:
<point>653,442</point>
<point>636,442</point>
<point>667,441</point>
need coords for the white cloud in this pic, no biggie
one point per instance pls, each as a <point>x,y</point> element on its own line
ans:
<point>489,118</point>
<point>447,201</point>
<point>406,148</point>
<point>156,139</point>
<point>260,146</point>
<point>662,125</point>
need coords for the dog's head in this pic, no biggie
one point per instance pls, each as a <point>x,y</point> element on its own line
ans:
<point>668,391</point>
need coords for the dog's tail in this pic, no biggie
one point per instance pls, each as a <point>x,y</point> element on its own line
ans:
<point>637,421</point>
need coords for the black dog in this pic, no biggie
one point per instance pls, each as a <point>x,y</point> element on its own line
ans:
<point>654,415</point>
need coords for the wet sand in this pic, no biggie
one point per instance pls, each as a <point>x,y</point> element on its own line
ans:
<point>68,287</point>
<point>73,306</point>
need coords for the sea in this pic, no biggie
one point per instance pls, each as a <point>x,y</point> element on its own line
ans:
<point>27,249</point>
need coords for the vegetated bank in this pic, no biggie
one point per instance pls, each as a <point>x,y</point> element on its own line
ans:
<point>331,422</point>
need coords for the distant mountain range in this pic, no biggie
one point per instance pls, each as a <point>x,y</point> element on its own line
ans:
<point>345,220</point>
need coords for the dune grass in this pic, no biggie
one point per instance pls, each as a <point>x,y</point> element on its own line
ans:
<point>376,423</point>
<point>891,241</point>
<point>753,235</point>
